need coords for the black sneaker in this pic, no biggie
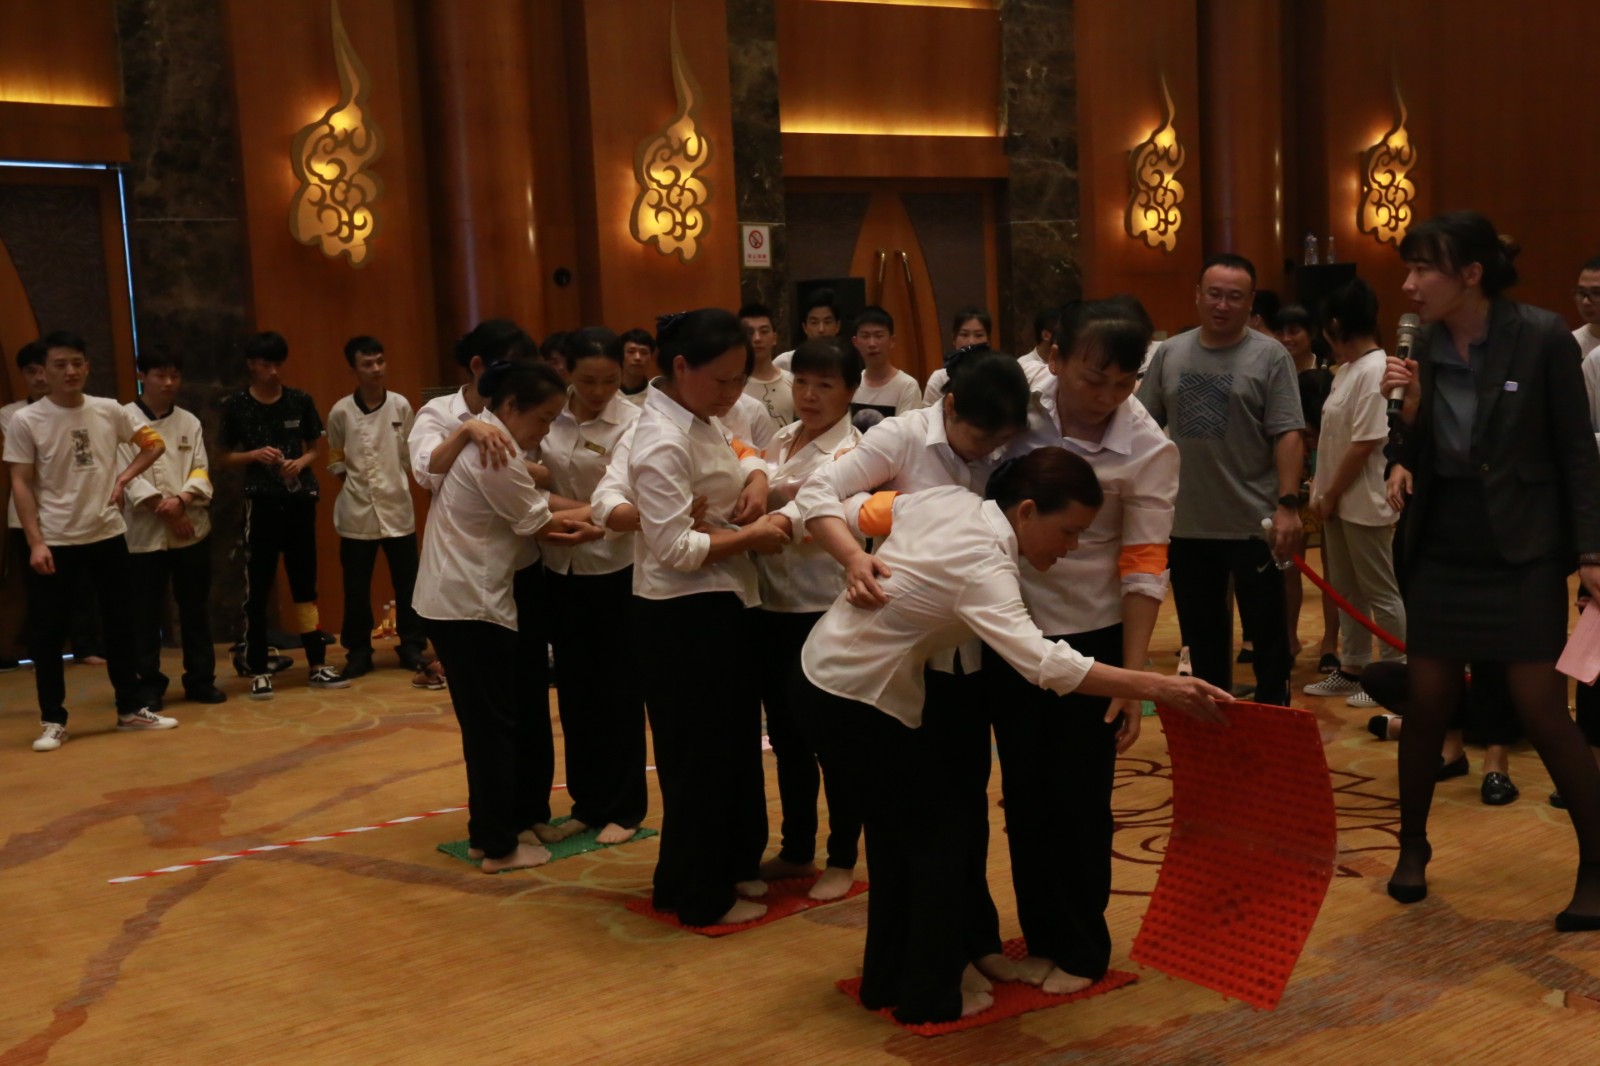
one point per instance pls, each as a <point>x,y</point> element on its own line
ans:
<point>357,665</point>
<point>205,694</point>
<point>8,665</point>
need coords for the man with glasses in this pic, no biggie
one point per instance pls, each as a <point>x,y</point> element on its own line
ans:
<point>1588,296</point>
<point>1228,395</point>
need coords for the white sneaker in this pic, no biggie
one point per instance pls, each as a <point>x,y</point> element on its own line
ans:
<point>1335,684</point>
<point>144,720</point>
<point>51,736</point>
<point>1361,699</point>
<point>261,687</point>
<point>327,677</point>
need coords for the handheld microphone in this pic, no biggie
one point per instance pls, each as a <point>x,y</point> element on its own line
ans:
<point>1404,342</point>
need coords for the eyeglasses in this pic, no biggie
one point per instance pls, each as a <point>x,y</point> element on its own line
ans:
<point>1585,295</point>
<point>1225,299</point>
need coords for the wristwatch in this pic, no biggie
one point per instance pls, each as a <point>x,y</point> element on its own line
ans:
<point>1291,501</point>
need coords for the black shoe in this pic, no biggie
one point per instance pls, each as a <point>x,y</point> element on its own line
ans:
<point>1567,922</point>
<point>1328,664</point>
<point>208,694</point>
<point>1447,770</point>
<point>1557,802</point>
<point>357,665</point>
<point>1246,655</point>
<point>1412,893</point>
<point>8,665</point>
<point>1378,725</point>
<point>1497,789</point>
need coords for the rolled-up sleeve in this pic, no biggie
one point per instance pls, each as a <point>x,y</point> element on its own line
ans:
<point>427,433</point>
<point>511,493</point>
<point>991,604</point>
<point>662,477</point>
<point>612,490</point>
<point>1147,512</point>
<point>867,466</point>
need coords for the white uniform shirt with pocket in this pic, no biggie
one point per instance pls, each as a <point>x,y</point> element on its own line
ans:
<point>803,579</point>
<point>183,467</point>
<point>578,455</point>
<point>370,449</point>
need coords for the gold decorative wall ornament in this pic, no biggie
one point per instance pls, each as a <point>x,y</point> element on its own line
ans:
<point>1153,166</point>
<point>1386,193</point>
<point>332,160</point>
<point>670,207</point>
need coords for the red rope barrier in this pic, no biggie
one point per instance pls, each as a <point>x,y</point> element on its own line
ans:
<point>1344,605</point>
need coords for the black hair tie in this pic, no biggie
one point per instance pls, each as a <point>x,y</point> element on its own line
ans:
<point>666,322</point>
<point>957,357</point>
<point>999,477</point>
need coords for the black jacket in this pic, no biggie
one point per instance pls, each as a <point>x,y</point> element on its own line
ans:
<point>1533,448</point>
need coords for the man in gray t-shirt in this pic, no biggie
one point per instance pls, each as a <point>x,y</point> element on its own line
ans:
<point>1229,397</point>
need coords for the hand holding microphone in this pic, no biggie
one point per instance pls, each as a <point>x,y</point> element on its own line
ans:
<point>1400,374</point>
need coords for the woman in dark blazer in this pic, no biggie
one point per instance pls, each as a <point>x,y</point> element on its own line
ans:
<point>1506,504</point>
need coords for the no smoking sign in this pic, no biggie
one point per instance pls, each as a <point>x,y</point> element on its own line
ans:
<point>757,243</point>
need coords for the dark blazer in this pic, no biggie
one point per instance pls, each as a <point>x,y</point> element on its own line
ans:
<point>1533,448</point>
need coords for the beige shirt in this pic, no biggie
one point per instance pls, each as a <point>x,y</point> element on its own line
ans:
<point>369,449</point>
<point>183,467</point>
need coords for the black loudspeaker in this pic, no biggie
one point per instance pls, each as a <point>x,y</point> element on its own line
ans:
<point>849,297</point>
<point>1313,283</point>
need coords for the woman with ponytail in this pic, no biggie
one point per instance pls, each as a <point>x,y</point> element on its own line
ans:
<point>949,574</point>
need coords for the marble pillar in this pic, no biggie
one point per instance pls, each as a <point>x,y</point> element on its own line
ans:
<point>758,146</point>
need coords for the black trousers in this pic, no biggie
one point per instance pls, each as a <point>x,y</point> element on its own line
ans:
<point>498,731</point>
<point>705,721</point>
<point>356,559</point>
<point>916,941</point>
<point>536,741</point>
<point>1200,571</point>
<point>188,571</point>
<point>279,526</point>
<point>601,700</point>
<point>1486,714</point>
<point>779,638</point>
<point>51,601</point>
<point>1057,762</point>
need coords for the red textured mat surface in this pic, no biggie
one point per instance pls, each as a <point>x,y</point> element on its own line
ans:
<point>1251,852</point>
<point>783,898</point>
<point>1011,998</point>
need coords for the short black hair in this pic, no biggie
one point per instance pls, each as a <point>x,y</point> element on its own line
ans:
<point>701,337</point>
<point>1351,311</point>
<point>31,354</point>
<point>827,357</point>
<point>62,339</point>
<point>966,314</point>
<point>1264,305</point>
<point>756,310</point>
<point>873,315</point>
<point>362,345</point>
<point>494,339</point>
<point>268,345</point>
<point>1232,261</point>
<point>1293,315</point>
<point>990,390</point>
<point>157,359</point>
<point>523,385</point>
<point>551,347</point>
<point>1047,321</point>
<point>639,336</point>
<point>589,342</point>
<point>1593,264</point>
<point>1454,241</point>
<point>820,298</point>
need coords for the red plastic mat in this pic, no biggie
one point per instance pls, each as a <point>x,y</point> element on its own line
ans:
<point>1011,998</point>
<point>783,898</point>
<point>1251,853</point>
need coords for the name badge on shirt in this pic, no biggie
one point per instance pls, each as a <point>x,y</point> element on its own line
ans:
<point>293,423</point>
<point>593,447</point>
<point>1511,386</point>
<point>183,444</point>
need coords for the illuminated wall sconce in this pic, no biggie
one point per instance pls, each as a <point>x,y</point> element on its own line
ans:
<point>1153,166</point>
<point>332,158</point>
<point>1386,193</point>
<point>670,207</point>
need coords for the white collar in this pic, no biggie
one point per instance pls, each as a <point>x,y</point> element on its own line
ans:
<point>831,440</point>
<point>998,522</point>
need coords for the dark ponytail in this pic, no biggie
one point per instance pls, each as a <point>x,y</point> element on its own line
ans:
<point>1053,478</point>
<point>589,342</point>
<point>495,339</point>
<point>523,385</point>
<point>1455,241</point>
<point>701,337</point>
<point>990,391</point>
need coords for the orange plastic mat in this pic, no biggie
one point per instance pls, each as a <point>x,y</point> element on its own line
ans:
<point>783,898</point>
<point>1251,853</point>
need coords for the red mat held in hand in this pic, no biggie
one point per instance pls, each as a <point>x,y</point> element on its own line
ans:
<point>1251,853</point>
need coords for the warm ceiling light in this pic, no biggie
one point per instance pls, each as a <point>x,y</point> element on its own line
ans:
<point>332,159</point>
<point>1386,193</point>
<point>670,207</point>
<point>1153,165</point>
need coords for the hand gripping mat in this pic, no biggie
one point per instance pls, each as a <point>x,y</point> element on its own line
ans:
<point>581,844</point>
<point>783,898</point>
<point>1251,852</point>
<point>1011,998</point>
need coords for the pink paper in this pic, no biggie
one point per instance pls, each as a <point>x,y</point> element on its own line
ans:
<point>1581,657</point>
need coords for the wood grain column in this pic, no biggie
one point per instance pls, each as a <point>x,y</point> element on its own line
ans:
<point>1241,125</point>
<point>476,103</point>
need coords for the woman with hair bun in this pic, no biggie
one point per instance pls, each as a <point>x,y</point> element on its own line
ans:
<point>480,516</point>
<point>949,573</point>
<point>1505,505</point>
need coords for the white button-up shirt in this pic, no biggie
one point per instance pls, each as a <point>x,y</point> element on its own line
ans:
<point>675,457</point>
<point>369,449</point>
<point>183,467</point>
<point>953,577</point>
<point>1123,552</point>
<point>578,455</point>
<point>804,578</point>
<point>480,519</point>
<point>433,424</point>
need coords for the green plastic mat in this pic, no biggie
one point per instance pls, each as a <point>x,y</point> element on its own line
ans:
<point>581,844</point>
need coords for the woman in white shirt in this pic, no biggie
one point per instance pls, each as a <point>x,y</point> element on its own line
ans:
<point>590,590</point>
<point>691,590</point>
<point>797,585</point>
<point>1058,752</point>
<point>1348,494</point>
<point>480,516</point>
<point>949,573</point>
<point>968,329</point>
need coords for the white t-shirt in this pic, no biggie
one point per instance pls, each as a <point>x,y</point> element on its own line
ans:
<point>74,455</point>
<point>1589,345</point>
<point>6,413</point>
<point>750,423</point>
<point>777,396</point>
<point>873,403</point>
<point>783,360</point>
<point>1356,411</point>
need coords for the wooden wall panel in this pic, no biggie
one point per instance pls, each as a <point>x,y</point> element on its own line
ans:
<point>282,57</point>
<point>60,82</point>
<point>551,76</point>
<point>1122,51</point>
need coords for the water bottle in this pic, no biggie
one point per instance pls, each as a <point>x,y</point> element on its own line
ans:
<point>1266,532</point>
<point>1311,250</point>
<point>1331,256</point>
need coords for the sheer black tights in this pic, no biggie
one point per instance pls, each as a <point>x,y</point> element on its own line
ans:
<point>1539,694</point>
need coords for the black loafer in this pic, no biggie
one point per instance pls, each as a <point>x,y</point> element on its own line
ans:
<point>357,666</point>
<point>1497,790</point>
<point>1447,770</point>
<point>209,694</point>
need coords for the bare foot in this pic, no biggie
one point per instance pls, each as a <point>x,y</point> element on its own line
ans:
<point>615,834</point>
<point>1033,970</point>
<point>1296,646</point>
<point>973,981</point>
<point>1062,983</point>
<point>751,889</point>
<point>975,1003</point>
<point>474,853</point>
<point>553,834</point>
<point>997,968</point>
<point>741,912</point>
<point>833,884</point>
<point>779,870</point>
<point>524,857</point>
